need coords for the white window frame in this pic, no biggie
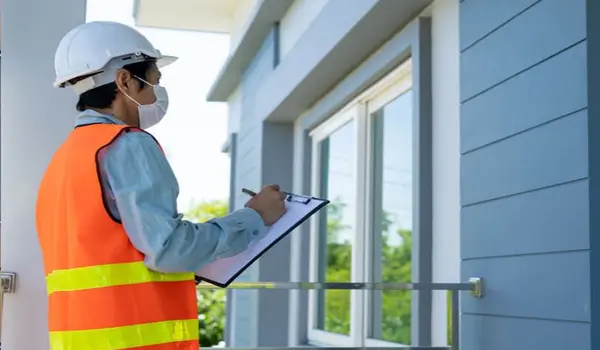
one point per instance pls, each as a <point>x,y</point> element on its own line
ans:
<point>347,115</point>
<point>393,85</point>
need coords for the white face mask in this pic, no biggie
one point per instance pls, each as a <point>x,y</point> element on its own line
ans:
<point>151,114</point>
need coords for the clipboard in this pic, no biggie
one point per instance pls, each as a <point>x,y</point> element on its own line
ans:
<point>223,272</point>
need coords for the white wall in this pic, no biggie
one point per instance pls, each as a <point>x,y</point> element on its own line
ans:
<point>297,19</point>
<point>446,156</point>
<point>35,120</point>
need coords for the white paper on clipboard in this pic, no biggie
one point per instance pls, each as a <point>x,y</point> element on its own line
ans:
<point>299,208</point>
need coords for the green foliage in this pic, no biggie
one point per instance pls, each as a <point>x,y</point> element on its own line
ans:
<point>396,305</point>
<point>205,211</point>
<point>396,267</point>
<point>211,303</point>
<point>211,316</point>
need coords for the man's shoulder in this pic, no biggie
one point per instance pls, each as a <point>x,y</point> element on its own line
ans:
<point>137,135</point>
<point>132,138</point>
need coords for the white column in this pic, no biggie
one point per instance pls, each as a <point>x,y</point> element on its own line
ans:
<point>446,157</point>
<point>35,120</point>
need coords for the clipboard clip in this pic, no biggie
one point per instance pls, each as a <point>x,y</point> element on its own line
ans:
<point>298,199</point>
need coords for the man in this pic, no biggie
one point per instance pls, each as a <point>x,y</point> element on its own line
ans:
<point>118,257</point>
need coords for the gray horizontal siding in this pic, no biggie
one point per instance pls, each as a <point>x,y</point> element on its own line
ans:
<point>480,18</point>
<point>491,229</point>
<point>561,79</point>
<point>541,286</point>
<point>524,174</point>
<point>537,34</point>
<point>531,334</point>
<point>548,155</point>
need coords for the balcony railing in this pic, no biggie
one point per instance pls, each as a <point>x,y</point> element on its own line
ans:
<point>474,287</point>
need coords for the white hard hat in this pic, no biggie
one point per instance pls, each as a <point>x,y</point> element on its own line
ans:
<point>101,48</point>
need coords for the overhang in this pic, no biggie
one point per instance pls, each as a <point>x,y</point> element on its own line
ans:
<point>201,15</point>
<point>330,49</point>
<point>266,14</point>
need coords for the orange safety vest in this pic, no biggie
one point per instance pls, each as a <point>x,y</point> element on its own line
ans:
<point>101,295</point>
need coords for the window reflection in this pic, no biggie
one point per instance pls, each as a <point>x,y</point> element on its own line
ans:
<point>337,181</point>
<point>392,218</point>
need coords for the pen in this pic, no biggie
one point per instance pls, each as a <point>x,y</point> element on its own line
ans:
<point>288,196</point>
<point>248,192</point>
<point>252,193</point>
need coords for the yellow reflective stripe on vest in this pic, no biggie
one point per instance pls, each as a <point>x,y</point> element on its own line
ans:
<point>125,337</point>
<point>107,276</point>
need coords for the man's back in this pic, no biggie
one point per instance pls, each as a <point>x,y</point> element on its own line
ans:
<point>101,294</point>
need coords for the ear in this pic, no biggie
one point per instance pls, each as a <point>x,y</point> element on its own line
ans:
<point>124,81</point>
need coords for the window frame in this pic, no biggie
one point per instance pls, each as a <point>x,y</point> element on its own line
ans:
<point>392,87</point>
<point>413,41</point>
<point>347,115</point>
<point>361,110</point>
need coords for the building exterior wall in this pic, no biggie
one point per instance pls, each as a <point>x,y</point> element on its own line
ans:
<point>524,174</point>
<point>250,154</point>
<point>510,183</point>
<point>297,19</point>
<point>248,159</point>
<point>262,150</point>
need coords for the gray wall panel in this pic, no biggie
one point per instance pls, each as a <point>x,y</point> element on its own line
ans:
<point>479,18</point>
<point>526,286</point>
<point>486,332</point>
<point>549,155</point>
<point>538,220</point>
<point>523,102</point>
<point>542,31</point>
<point>525,221</point>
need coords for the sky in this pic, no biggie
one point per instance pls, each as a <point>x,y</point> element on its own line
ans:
<point>193,130</point>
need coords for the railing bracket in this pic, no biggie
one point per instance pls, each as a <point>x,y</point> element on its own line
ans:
<point>9,282</point>
<point>476,287</point>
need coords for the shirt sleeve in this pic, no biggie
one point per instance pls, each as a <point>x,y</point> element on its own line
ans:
<point>145,191</point>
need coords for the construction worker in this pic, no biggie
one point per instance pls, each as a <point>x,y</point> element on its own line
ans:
<point>118,257</point>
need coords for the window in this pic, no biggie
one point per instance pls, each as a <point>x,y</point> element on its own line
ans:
<point>333,233</point>
<point>392,215</point>
<point>335,245</point>
<point>364,162</point>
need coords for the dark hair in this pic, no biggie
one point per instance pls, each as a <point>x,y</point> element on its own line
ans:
<point>103,96</point>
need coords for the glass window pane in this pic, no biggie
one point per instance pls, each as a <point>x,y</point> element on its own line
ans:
<point>392,218</point>
<point>337,227</point>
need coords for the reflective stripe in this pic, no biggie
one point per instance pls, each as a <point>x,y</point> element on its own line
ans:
<point>107,276</point>
<point>125,337</point>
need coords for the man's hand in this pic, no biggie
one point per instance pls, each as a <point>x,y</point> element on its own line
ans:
<point>268,203</point>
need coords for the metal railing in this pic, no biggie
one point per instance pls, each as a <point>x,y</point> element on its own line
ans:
<point>474,287</point>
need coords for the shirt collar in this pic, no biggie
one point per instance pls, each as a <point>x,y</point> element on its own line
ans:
<point>92,117</point>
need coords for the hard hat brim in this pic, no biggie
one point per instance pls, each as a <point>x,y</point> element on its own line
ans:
<point>161,62</point>
<point>164,61</point>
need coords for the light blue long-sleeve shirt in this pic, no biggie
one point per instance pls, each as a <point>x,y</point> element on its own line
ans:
<point>141,192</point>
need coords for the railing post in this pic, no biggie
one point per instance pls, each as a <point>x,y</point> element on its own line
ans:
<point>455,297</point>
